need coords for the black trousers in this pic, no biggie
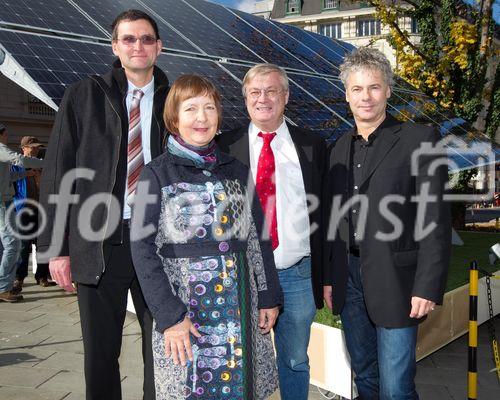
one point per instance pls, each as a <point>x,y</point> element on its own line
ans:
<point>102,314</point>
<point>42,270</point>
<point>31,221</point>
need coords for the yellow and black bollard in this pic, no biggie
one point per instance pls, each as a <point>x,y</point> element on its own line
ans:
<point>472,370</point>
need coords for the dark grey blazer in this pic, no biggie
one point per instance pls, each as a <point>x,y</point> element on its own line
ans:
<point>392,271</point>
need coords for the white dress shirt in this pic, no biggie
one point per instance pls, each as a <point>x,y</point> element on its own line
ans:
<point>291,201</point>
<point>146,105</point>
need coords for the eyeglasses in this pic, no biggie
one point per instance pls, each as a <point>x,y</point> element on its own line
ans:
<point>271,93</point>
<point>146,40</point>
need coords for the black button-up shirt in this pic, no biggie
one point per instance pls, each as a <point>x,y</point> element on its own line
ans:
<point>361,151</point>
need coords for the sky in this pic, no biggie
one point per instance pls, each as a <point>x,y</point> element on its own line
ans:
<point>247,5</point>
<point>243,5</point>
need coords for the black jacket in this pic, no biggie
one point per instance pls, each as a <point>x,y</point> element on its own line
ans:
<point>90,134</point>
<point>172,180</point>
<point>312,153</point>
<point>392,270</point>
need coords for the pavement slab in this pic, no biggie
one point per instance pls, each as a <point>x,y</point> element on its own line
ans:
<point>63,380</point>
<point>63,361</point>
<point>18,393</point>
<point>24,357</point>
<point>25,376</point>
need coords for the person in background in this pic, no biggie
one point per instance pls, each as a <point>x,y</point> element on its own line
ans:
<point>27,191</point>
<point>381,274</point>
<point>288,166</point>
<point>8,234</point>
<point>110,125</point>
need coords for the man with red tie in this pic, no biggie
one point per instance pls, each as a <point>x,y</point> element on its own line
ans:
<point>106,129</point>
<point>287,165</point>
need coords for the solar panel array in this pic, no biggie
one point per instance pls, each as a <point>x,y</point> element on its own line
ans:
<point>58,42</point>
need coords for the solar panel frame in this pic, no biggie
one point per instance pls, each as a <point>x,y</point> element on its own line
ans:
<point>55,15</point>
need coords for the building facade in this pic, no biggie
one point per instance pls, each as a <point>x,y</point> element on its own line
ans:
<point>347,20</point>
<point>23,113</point>
<point>263,8</point>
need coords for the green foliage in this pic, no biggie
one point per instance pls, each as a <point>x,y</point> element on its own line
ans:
<point>325,317</point>
<point>452,60</point>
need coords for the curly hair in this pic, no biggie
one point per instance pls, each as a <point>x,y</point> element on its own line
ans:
<point>364,58</point>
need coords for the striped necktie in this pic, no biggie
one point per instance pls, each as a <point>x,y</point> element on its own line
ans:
<point>135,158</point>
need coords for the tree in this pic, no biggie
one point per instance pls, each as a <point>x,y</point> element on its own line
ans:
<point>457,59</point>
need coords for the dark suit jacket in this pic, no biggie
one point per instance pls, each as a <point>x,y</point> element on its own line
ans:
<point>392,270</point>
<point>311,150</point>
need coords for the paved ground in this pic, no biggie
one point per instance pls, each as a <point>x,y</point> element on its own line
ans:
<point>41,355</point>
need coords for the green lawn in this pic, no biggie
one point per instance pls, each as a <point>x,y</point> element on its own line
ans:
<point>476,245</point>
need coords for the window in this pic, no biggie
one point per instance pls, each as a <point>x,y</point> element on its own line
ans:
<point>293,7</point>
<point>330,4</point>
<point>368,27</point>
<point>414,25</point>
<point>333,31</point>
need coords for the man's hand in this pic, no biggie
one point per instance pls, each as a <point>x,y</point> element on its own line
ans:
<point>178,343</point>
<point>420,307</point>
<point>267,319</point>
<point>327,296</point>
<point>61,272</point>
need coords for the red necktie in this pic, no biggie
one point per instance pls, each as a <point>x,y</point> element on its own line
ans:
<point>266,186</point>
<point>135,158</point>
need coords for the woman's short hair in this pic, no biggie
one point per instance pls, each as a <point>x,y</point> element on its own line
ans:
<point>186,87</point>
<point>364,58</point>
<point>264,69</point>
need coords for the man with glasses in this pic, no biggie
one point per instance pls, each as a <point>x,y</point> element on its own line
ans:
<point>110,125</point>
<point>288,165</point>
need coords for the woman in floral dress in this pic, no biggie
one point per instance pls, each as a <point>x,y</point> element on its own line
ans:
<point>210,283</point>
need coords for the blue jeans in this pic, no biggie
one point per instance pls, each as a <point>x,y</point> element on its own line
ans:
<point>383,359</point>
<point>292,330</point>
<point>11,247</point>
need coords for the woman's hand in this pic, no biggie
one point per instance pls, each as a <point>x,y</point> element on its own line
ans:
<point>178,343</point>
<point>267,319</point>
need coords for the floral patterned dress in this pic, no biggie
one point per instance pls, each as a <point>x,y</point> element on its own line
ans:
<point>205,259</point>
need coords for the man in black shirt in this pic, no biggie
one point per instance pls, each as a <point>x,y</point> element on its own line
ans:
<point>381,273</point>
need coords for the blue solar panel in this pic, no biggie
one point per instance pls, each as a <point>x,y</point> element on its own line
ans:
<point>326,52</point>
<point>255,40</point>
<point>336,46</point>
<point>201,31</point>
<point>296,49</point>
<point>205,38</point>
<point>48,14</point>
<point>56,63</point>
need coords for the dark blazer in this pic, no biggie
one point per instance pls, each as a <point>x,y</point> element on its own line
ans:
<point>392,270</point>
<point>311,150</point>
